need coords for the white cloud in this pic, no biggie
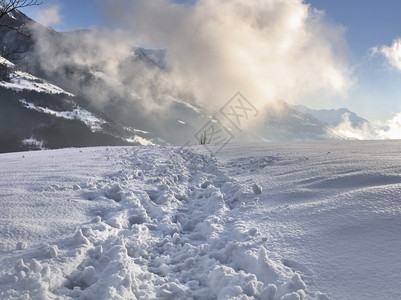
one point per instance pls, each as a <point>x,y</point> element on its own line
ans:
<point>391,129</point>
<point>391,53</point>
<point>48,16</point>
<point>345,130</point>
<point>268,49</point>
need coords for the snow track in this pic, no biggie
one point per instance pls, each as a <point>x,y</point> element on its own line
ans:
<point>160,223</point>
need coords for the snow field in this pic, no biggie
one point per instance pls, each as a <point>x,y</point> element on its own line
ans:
<point>133,223</point>
<point>261,221</point>
<point>331,212</point>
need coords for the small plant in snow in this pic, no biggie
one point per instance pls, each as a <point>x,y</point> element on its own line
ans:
<point>203,139</point>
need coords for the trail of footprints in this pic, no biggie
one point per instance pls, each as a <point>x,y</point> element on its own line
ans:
<point>167,226</point>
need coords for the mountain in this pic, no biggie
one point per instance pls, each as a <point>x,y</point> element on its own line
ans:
<point>282,122</point>
<point>333,117</point>
<point>36,114</point>
<point>47,119</point>
<point>14,44</point>
<point>50,98</point>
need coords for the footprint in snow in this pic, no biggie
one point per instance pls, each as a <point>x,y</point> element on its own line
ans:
<point>257,189</point>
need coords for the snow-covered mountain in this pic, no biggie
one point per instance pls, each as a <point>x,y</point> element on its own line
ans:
<point>284,123</point>
<point>35,114</point>
<point>126,117</point>
<point>333,117</point>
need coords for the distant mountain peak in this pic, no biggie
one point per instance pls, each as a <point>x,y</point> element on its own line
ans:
<point>333,117</point>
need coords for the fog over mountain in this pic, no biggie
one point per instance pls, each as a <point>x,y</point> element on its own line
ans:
<point>172,94</point>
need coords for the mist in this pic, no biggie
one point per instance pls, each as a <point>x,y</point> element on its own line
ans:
<point>388,130</point>
<point>269,50</point>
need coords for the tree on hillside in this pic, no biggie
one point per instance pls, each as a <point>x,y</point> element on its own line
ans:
<point>8,7</point>
<point>9,23</point>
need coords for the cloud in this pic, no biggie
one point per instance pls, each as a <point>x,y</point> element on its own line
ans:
<point>391,129</point>
<point>268,50</point>
<point>391,53</point>
<point>345,130</point>
<point>48,16</point>
<point>88,61</point>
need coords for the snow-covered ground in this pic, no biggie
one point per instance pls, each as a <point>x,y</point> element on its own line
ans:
<point>78,113</point>
<point>290,221</point>
<point>20,81</point>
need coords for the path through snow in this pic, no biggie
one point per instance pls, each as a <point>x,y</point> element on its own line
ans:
<point>133,223</point>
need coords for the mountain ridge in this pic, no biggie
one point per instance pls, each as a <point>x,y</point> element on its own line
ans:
<point>333,117</point>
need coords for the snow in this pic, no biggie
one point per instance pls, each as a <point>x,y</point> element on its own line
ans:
<point>6,62</point>
<point>142,141</point>
<point>274,221</point>
<point>186,104</point>
<point>20,81</point>
<point>11,15</point>
<point>34,143</point>
<point>78,113</point>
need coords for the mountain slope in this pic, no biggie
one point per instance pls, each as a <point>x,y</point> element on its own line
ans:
<point>284,123</point>
<point>35,114</point>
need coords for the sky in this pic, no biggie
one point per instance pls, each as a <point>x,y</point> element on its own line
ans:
<point>369,28</point>
<point>368,24</point>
